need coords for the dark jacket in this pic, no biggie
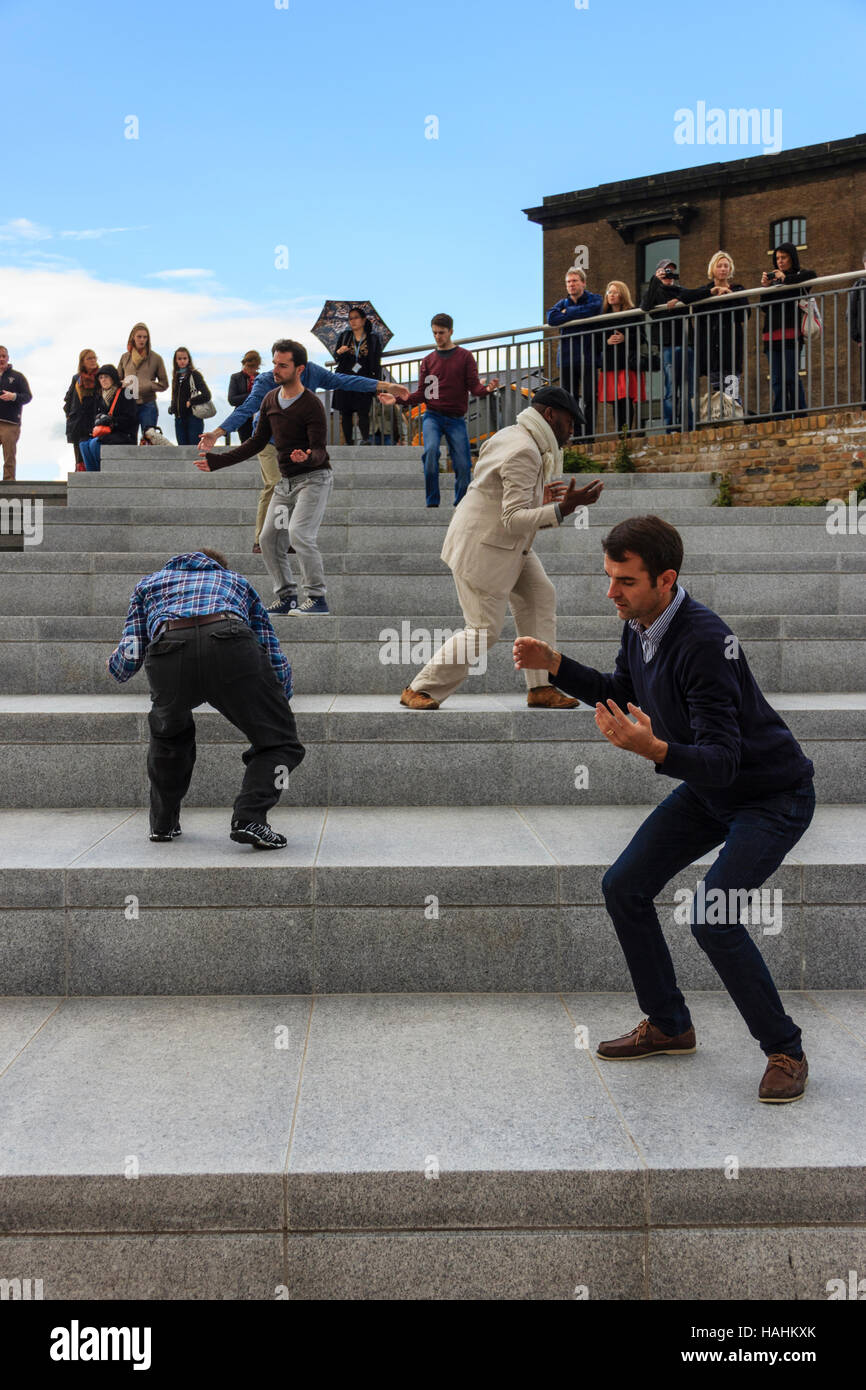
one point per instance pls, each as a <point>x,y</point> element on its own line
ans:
<point>180,392</point>
<point>857,309</point>
<point>723,738</point>
<point>17,382</point>
<point>300,426</point>
<point>238,388</point>
<point>368,359</point>
<point>782,309</point>
<point>124,417</point>
<point>575,341</point>
<point>669,328</point>
<point>619,357</point>
<point>80,412</point>
<point>719,321</point>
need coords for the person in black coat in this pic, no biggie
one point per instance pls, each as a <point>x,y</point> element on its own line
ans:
<point>783,330</point>
<point>188,388</point>
<point>670,336</point>
<point>618,351</point>
<point>719,327</point>
<point>79,403</point>
<point>241,384</point>
<point>114,411</point>
<point>358,351</point>
<point>857,325</point>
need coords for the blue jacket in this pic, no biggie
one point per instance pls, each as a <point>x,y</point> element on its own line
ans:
<point>724,740</point>
<point>566,315</point>
<point>316,378</point>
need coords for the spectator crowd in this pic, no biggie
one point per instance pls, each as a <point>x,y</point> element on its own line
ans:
<point>688,334</point>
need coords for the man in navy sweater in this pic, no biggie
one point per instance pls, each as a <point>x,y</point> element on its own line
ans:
<point>698,714</point>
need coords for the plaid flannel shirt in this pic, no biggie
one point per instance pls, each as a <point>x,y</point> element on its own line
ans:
<point>192,586</point>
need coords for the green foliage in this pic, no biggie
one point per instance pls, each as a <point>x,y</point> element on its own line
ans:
<point>725,497</point>
<point>575,461</point>
<point>805,502</point>
<point>622,459</point>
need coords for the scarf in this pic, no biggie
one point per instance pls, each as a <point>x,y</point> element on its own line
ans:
<point>137,358</point>
<point>108,396</point>
<point>544,438</point>
<point>85,385</point>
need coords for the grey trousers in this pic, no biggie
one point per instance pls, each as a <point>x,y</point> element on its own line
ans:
<point>294,517</point>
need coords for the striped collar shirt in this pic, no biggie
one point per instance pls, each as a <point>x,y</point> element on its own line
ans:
<point>651,636</point>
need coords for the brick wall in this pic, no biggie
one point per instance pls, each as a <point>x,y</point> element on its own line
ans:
<point>737,220</point>
<point>767,464</point>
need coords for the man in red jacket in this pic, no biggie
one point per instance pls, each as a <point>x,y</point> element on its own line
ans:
<point>446,379</point>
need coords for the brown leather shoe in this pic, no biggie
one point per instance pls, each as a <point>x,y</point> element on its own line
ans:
<point>785,1078</point>
<point>417,699</point>
<point>646,1041</point>
<point>545,697</point>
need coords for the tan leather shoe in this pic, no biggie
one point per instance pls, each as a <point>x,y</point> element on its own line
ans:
<point>785,1078</point>
<point>545,697</point>
<point>417,699</point>
<point>646,1041</point>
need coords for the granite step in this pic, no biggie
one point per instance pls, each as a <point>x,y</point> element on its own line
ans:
<point>477,751</point>
<point>400,492</point>
<point>404,585</point>
<point>458,1147</point>
<point>373,900</point>
<point>415,530</point>
<point>379,654</point>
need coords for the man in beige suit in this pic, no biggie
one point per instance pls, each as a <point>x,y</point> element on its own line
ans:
<point>488,547</point>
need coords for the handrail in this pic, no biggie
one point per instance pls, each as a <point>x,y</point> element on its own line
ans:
<point>819,280</point>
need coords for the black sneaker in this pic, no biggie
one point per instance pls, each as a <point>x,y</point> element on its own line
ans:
<point>284,605</point>
<point>161,836</point>
<point>260,836</point>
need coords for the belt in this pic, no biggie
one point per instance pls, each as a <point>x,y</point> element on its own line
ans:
<point>173,623</point>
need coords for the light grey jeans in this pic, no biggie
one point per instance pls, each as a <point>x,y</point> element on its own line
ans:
<point>294,517</point>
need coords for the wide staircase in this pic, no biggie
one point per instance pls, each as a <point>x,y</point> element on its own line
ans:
<point>364,1067</point>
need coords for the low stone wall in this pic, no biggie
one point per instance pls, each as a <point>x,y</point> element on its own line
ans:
<point>813,457</point>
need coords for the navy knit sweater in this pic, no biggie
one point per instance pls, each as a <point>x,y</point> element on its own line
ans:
<point>723,738</point>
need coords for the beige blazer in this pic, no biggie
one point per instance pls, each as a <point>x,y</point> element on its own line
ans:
<point>492,530</point>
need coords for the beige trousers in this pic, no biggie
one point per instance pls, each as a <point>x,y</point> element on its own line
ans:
<point>270,477</point>
<point>533,604</point>
<point>9,433</point>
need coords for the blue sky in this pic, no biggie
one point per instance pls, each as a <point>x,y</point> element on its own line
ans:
<point>304,127</point>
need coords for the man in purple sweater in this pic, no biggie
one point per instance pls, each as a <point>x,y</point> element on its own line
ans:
<point>698,715</point>
<point>446,379</point>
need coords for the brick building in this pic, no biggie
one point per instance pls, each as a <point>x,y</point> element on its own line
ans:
<point>814,196</point>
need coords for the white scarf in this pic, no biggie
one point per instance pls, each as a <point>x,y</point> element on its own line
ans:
<point>543,436</point>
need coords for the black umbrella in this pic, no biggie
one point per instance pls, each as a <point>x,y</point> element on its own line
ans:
<point>334,320</point>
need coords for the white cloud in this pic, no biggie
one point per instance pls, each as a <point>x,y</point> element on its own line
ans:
<point>48,315</point>
<point>22,229</point>
<point>95,233</point>
<point>191,274</point>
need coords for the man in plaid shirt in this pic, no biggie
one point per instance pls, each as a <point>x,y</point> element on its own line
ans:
<point>203,635</point>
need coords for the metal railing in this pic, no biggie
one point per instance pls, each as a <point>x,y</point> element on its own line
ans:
<point>753,355</point>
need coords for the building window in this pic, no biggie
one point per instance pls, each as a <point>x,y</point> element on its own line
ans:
<point>791,229</point>
<point>650,253</point>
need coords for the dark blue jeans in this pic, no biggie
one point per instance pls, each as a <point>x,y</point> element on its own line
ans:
<point>90,455</point>
<point>148,414</point>
<point>785,377</point>
<point>188,429</point>
<point>756,839</point>
<point>673,365</point>
<point>456,432</point>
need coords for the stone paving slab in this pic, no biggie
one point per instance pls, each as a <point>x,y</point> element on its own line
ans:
<point>417,1112</point>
